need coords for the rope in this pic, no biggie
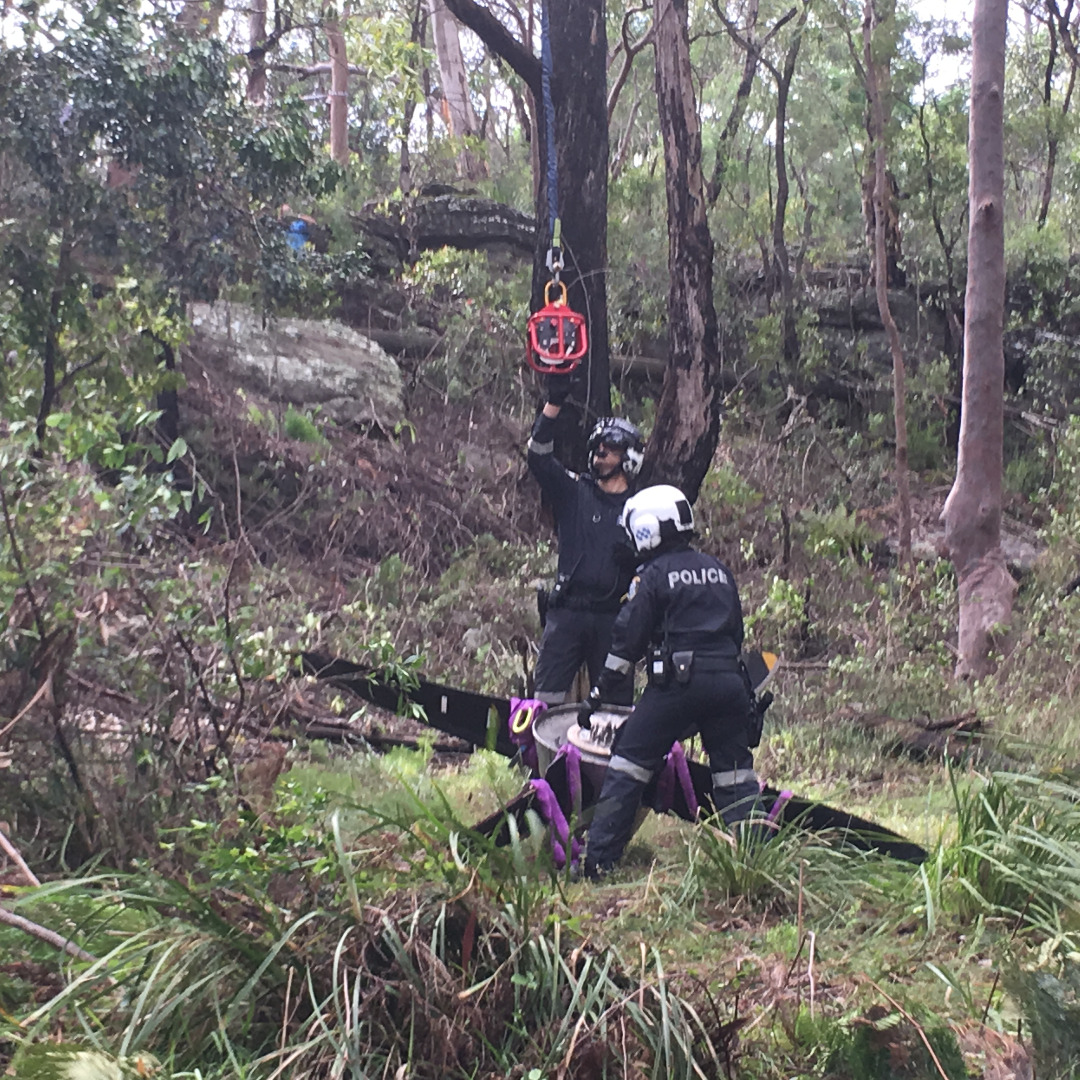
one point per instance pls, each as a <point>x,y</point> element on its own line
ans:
<point>549,126</point>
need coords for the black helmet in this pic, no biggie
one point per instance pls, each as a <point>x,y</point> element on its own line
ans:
<point>621,434</point>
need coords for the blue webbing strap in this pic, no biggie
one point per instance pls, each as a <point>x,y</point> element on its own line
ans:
<point>549,125</point>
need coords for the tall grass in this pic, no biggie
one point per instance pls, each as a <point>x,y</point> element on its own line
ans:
<point>461,962</point>
<point>1017,853</point>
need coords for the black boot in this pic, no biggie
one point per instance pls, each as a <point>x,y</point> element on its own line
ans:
<point>613,820</point>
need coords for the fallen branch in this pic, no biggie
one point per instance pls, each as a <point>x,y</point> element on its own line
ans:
<point>42,933</point>
<point>17,859</point>
<point>339,734</point>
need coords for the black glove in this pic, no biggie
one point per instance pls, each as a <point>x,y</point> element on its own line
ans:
<point>558,389</point>
<point>587,708</point>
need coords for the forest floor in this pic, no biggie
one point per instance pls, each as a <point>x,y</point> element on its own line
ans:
<point>422,547</point>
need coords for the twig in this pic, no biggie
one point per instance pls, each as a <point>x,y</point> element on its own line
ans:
<point>915,1024</point>
<point>17,859</point>
<point>810,971</point>
<point>44,934</point>
<point>285,1011</point>
<point>97,688</point>
<point>997,973</point>
<point>16,554</point>
<point>46,686</point>
<point>799,924</point>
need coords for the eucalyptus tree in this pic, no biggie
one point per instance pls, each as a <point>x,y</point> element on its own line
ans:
<point>876,88</point>
<point>782,69</point>
<point>972,513</point>
<point>688,417</point>
<point>932,163</point>
<point>1063,25</point>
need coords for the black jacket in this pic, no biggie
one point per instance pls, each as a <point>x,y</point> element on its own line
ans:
<point>683,598</point>
<point>592,543</point>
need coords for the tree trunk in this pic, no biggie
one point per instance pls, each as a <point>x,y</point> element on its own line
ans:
<point>1053,129</point>
<point>781,265</point>
<point>457,105</point>
<point>339,91</point>
<point>688,417</point>
<point>972,513</point>
<point>256,84</point>
<point>781,262</point>
<point>883,13</point>
<point>579,97</point>
<point>882,192</point>
<point>726,143</point>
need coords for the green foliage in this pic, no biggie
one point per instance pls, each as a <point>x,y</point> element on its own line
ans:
<point>1063,503</point>
<point>485,306</point>
<point>838,534</point>
<point>302,428</point>
<point>59,1061</point>
<point>1050,1000</point>
<point>782,616</point>
<point>746,862</point>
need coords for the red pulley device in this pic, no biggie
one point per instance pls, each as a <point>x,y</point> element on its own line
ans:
<point>557,338</point>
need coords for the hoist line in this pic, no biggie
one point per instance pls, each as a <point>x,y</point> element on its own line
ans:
<point>549,125</point>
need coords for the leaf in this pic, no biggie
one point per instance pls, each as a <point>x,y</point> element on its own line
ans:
<point>178,449</point>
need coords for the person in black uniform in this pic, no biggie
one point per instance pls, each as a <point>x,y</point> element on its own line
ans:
<point>592,577</point>
<point>683,609</point>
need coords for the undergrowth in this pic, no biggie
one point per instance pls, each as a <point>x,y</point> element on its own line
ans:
<point>253,902</point>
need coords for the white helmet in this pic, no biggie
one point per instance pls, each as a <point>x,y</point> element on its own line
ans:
<point>656,514</point>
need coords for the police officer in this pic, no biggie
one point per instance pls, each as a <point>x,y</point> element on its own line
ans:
<point>683,611</point>
<point>592,574</point>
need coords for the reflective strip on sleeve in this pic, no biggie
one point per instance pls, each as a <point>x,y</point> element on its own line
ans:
<point>636,772</point>
<point>541,447</point>
<point>734,778</point>
<point>617,663</point>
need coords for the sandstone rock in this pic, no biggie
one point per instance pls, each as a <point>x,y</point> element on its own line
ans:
<point>302,362</point>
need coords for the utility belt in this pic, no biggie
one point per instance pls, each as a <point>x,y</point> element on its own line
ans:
<point>563,594</point>
<point>665,666</point>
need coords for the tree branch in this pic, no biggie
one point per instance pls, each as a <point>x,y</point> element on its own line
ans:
<point>629,50</point>
<point>499,40</point>
<point>44,934</point>
<point>13,854</point>
<point>309,71</point>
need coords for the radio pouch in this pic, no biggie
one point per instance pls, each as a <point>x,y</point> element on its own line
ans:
<point>659,671</point>
<point>682,664</point>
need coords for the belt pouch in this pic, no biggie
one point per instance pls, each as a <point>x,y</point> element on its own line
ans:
<point>682,664</point>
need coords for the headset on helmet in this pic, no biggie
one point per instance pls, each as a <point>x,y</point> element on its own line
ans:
<point>619,433</point>
<point>655,515</point>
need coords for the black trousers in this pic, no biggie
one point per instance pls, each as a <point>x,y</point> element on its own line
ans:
<point>572,638</point>
<point>716,705</point>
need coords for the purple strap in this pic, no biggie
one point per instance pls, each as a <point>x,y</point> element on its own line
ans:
<point>778,807</point>
<point>523,714</point>
<point>682,771</point>
<point>675,771</point>
<point>552,812</point>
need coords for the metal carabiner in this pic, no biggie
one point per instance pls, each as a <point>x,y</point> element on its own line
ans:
<point>554,262</point>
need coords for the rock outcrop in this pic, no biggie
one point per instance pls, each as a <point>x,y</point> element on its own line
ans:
<point>320,365</point>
